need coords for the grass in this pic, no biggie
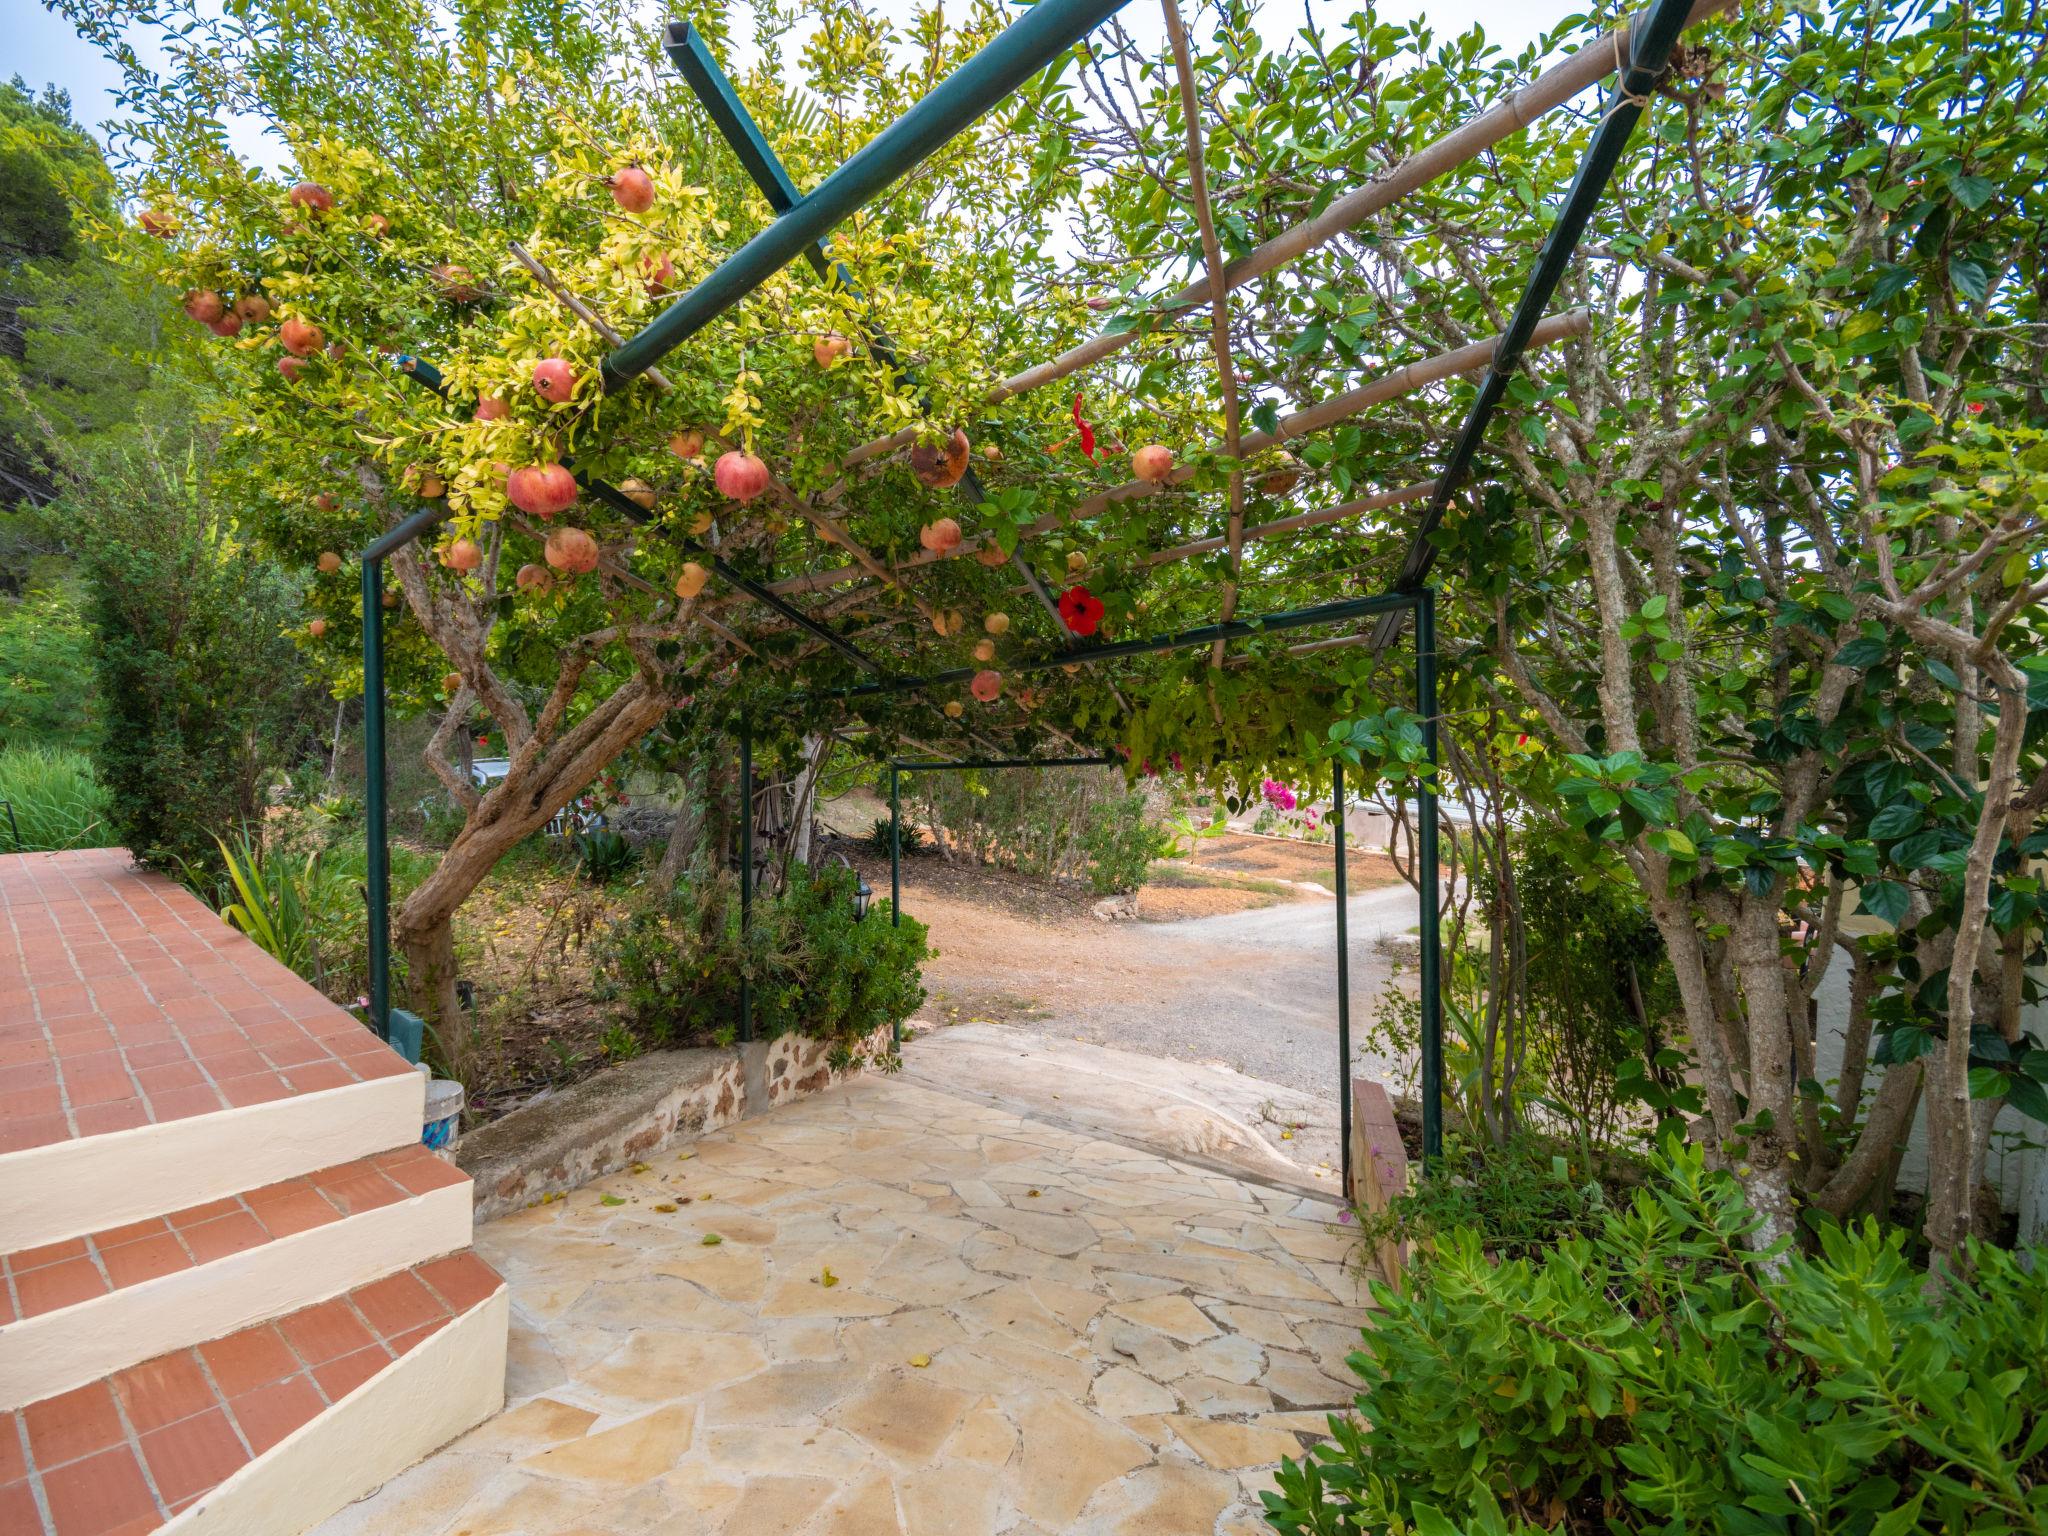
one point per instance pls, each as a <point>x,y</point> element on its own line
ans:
<point>1169,873</point>
<point>55,799</point>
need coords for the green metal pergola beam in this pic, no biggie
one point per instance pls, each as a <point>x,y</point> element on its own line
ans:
<point>1013,56</point>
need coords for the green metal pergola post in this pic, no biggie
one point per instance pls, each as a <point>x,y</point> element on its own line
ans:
<point>1343,979</point>
<point>896,870</point>
<point>1427,868</point>
<point>1013,56</point>
<point>379,860</point>
<point>746,880</point>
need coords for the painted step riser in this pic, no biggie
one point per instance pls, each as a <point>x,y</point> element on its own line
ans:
<point>450,1383</point>
<point>55,1352</point>
<point>72,1188</point>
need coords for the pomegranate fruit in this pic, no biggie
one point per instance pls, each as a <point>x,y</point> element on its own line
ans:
<point>955,709</point>
<point>829,349</point>
<point>991,555</point>
<point>541,489</point>
<point>691,581</point>
<point>451,682</point>
<point>984,650</point>
<point>740,476</point>
<point>462,555</point>
<point>312,196</point>
<point>252,308</point>
<point>941,537</point>
<point>947,621</point>
<point>687,444</point>
<point>161,225</point>
<point>553,380</point>
<point>632,189</point>
<point>986,686</point>
<point>942,466</point>
<point>992,453</point>
<point>326,501</point>
<point>657,275</point>
<point>226,325</point>
<point>1283,479</point>
<point>377,226</point>
<point>491,408</point>
<point>204,305</point>
<point>329,562</point>
<point>301,338</point>
<point>533,578</point>
<point>638,491</point>
<point>571,550</point>
<point>1152,462</point>
<point>316,628</point>
<point>291,367</point>
<point>456,284</point>
<point>997,623</point>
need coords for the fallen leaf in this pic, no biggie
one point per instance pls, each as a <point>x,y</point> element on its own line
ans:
<point>611,1200</point>
<point>920,1361</point>
<point>684,1157</point>
<point>712,1240</point>
<point>828,1279</point>
<point>667,1208</point>
<point>1032,1193</point>
<point>639,1168</point>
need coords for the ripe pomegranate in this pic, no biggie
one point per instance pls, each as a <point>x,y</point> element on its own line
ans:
<point>542,489</point>
<point>1152,462</point>
<point>451,682</point>
<point>941,467</point>
<point>992,453</point>
<point>252,308</point>
<point>740,476</point>
<point>955,709</point>
<point>829,349</point>
<point>687,444</point>
<point>160,225</point>
<point>632,189</point>
<point>204,305</point>
<point>312,196</point>
<point>291,367</point>
<point>462,555</point>
<point>429,486</point>
<point>941,537</point>
<point>326,501</point>
<point>226,325</point>
<point>533,578</point>
<point>1076,562</point>
<point>553,380</point>
<point>377,226</point>
<point>492,408</point>
<point>692,580</point>
<point>947,621</point>
<point>638,491</point>
<point>984,650</point>
<point>316,628</point>
<point>390,599</point>
<point>336,350</point>
<point>301,338</point>
<point>329,562</point>
<point>986,686</point>
<point>657,275</point>
<point>991,555</point>
<point>456,284</point>
<point>997,623</point>
<point>571,550</point>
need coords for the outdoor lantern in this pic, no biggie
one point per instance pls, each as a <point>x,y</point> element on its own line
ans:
<point>862,894</point>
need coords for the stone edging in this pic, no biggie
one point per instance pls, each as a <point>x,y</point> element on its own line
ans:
<point>625,1113</point>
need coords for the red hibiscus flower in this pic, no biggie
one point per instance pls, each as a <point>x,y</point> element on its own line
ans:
<point>1080,610</point>
<point>1087,432</point>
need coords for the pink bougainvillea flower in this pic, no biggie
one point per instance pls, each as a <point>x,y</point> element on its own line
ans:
<point>1278,795</point>
<point>986,686</point>
<point>1174,758</point>
<point>1080,610</point>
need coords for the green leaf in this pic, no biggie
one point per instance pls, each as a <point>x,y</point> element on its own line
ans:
<point>1970,278</point>
<point>1885,900</point>
<point>1895,821</point>
<point>1971,191</point>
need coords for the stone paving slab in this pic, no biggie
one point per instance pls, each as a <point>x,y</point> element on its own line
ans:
<point>890,1311</point>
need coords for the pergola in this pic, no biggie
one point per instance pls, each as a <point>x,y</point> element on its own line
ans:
<point>1636,54</point>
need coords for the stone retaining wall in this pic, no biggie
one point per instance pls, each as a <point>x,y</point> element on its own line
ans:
<point>628,1112</point>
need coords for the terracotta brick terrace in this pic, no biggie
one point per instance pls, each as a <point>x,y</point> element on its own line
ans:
<point>125,1002</point>
<point>126,1454</point>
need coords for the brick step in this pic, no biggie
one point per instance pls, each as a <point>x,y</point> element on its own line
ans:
<point>267,1431</point>
<point>75,1310</point>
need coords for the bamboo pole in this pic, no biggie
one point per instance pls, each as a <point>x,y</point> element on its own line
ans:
<point>1219,315</point>
<point>1402,381</point>
<point>1358,508</point>
<point>1551,89</point>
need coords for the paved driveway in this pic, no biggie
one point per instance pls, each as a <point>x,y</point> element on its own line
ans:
<point>889,1309</point>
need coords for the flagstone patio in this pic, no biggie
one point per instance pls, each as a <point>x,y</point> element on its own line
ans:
<point>888,1309</point>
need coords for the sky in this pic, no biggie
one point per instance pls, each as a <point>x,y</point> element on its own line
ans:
<point>44,50</point>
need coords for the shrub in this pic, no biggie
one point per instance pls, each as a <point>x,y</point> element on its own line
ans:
<point>1520,1198</point>
<point>603,856</point>
<point>1121,842</point>
<point>1658,1376</point>
<point>909,839</point>
<point>57,802</point>
<point>673,966</point>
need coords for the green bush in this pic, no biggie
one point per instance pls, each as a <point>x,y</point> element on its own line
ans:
<point>602,856</point>
<point>673,966</point>
<point>1658,1376</point>
<point>1121,843</point>
<point>57,802</point>
<point>46,683</point>
<point>1520,1198</point>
